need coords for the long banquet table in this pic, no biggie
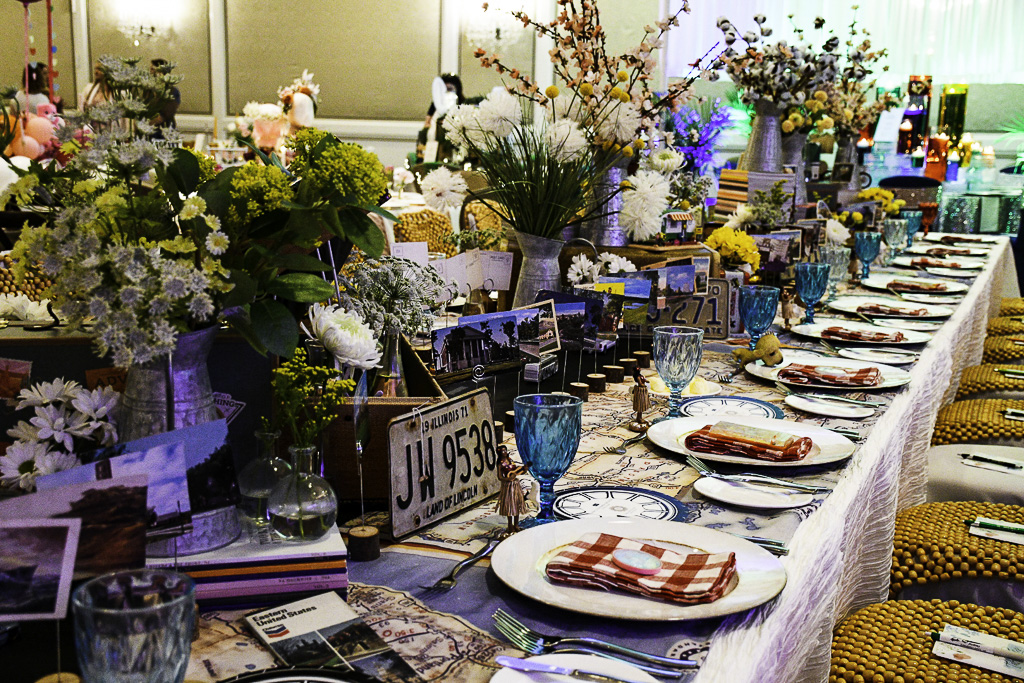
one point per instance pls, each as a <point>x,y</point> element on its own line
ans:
<point>840,545</point>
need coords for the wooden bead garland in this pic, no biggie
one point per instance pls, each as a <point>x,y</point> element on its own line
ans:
<point>977,421</point>
<point>981,379</point>
<point>1012,306</point>
<point>889,642</point>
<point>426,226</point>
<point>1003,350</point>
<point>1004,326</point>
<point>932,543</point>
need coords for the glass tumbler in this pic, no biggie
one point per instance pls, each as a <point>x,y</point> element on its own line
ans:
<point>134,626</point>
<point>894,232</point>
<point>811,282</point>
<point>866,245</point>
<point>677,355</point>
<point>758,306</point>
<point>548,429</point>
<point>838,259</point>
<point>913,219</point>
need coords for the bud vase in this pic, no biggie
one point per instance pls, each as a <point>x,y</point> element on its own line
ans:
<point>764,146</point>
<point>259,477</point>
<point>302,506</point>
<point>390,379</point>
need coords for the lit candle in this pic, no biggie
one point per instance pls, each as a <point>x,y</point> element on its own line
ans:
<point>917,158</point>
<point>952,167</point>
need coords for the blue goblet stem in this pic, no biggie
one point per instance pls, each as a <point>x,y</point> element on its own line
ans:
<point>675,402</point>
<point>547,501</point>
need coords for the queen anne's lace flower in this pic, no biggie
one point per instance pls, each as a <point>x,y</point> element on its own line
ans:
<point>344,335</point>
<point>443,190</point>
<point>643,204</point>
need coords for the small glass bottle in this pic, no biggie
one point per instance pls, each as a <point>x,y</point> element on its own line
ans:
<point>302,507</point>
<point>259,477</point>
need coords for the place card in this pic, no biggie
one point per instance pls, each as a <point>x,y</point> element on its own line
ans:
<point>414,251</point>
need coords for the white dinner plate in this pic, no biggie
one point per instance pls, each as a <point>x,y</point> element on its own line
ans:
<point>904,324</point>
<point>951,263</point>
<point>883,282</point>
<point>877,355</point>
<point>952,272</point>
<point>815,329</point>
<point>591,663</point>
<point>730,405</point>
<point>850,304</point>
<point>963,239</point>
<point>520,561</point>
<point>828,446</point>
<point>923,249</point>
<point>823,406</point>
<point>749,495</point>
<point>953,299</point>
<point>891,377</point>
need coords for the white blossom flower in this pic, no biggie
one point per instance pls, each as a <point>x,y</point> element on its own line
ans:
<point>344,335</point>
<point>643,203</point>
<point>582,269</point>
<point>97,404</point>
<point>45,393</point>
<point>212,222</point>
<point>742,216</point>
<point>565,140</point>
<point>56,424</point>
<point>23,431</point>
<point>192,207</point>
<point>402,177</point>
<point>263,111</point>
<point>836,232</point>
<point>443,190</point>
<point>613,263</point>
<point>18,464</point>
<point>461,126</point>
<point>500,113</point>
<point>665,161</point>
<point>50,463</point>
<point>24,308</point>
<point>621,124</point>
<point>217,243</point>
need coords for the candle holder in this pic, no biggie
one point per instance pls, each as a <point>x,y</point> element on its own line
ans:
<point>643,359</point>
<point>615,373</point>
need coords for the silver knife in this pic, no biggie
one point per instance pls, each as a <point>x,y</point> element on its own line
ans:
<point>529,666</point>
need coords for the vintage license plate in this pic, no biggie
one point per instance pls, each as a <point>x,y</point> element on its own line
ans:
<point>443,460</point>
<point>710,311</point>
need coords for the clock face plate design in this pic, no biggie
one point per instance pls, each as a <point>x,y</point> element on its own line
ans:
<point>617,501</point>
<point>730,405</point>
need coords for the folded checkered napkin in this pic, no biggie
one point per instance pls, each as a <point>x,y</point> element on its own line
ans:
<point>843,334</point>
<point>798,373</point>
<point>882,309</point>
<point>684,578</point>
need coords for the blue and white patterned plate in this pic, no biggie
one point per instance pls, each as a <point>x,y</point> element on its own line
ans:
<point>730,405</point>
<point>617,501</point>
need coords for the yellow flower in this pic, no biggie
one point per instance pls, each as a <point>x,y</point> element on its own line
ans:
<point>787,126</point>
<point>685,205</point>
<point>615,93</point>
<point>858,217</point>
<point>627,151</point>
<point>551,91</point>
<point>826,123</point>
<point>622,75</point>
<point>820,95</point>
<point>586,89</point>
<point>814,106</point>
<point>624,97</point>
<point>848,114</point>
<point>639,144</point>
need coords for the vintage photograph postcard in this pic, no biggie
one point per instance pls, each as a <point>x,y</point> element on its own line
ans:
<point>37,560</point>
<point>538,329</point>
<point>593,312</point>
<point>571,324</point>
<point>485,340</point>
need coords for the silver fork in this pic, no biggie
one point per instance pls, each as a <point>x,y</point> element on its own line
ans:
<point>448,582</point>
<point>723,378</point>
<point>621,449</point>
<point>537,643</point>
<point>753,478</point>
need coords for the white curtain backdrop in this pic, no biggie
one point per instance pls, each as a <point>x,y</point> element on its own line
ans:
<point>954,41</point>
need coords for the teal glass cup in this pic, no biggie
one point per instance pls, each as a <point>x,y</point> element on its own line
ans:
<point>758,306</point>
<point>548,429</point>
<point>811,283</point>
<point>866,245</point>
<point>677,354</point>
<point>838,259</point>
<point>894,232</point>
<point>914,220</point>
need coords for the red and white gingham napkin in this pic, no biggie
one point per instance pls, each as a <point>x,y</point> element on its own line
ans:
<point>882,309</point>
<point>843,334</point>
<point>798,373</point>
<point>684,578</point>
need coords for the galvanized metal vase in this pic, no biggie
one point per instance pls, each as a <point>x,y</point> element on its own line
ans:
<point>186,384</point>
<point>606,231</point>
<point>540,268</point>
<point>764,146</point>
<point>793,155</point>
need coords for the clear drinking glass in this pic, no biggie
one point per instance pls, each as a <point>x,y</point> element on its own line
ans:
<point>811,282</point>
<point>677,355</point>
<point>913,219</point>
<point>894,232</point>
<point>758,306</point>
<point>866,245</point>
<point>548,429</point>
<point>838,258</point>
<point>134,626</point>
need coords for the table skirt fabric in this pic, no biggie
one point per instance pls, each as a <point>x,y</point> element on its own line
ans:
<point>841,556</point>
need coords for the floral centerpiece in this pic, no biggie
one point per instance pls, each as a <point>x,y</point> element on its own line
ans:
<point>67,419</point>
<point>891,206</point>
<point>736,248</point>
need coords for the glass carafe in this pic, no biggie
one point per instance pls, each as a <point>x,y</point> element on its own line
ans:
<point>259,477</point>
<point>303,506</point>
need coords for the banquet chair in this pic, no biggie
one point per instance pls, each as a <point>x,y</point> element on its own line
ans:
<point>1012,305</point>
<point>986,381</point>
<point>979,421</point>
<point>935,555</point>
<point>1003,349</point>
<point>890,641</point>
<point>1004,326</point>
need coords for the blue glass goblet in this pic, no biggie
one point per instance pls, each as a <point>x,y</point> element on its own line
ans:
<point>548,428</point>
<point>894,232</point>
<point>838,258</point>
<point>866,245</point>
<point>758,306</point>
<point>677,354</point>
<point>811,282</point>
<point>913,219</point>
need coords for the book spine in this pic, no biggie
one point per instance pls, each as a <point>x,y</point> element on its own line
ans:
<point>266,586</point>
<point>255,558</point>
<point>200,574</point>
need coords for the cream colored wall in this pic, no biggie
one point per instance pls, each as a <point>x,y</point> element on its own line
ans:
<point>373,60</point>
<point>184,39</point>
<point>12,53</point>
<point>518,54</point>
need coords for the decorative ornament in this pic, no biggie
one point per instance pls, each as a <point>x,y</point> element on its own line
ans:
<point>768,350</point>
<point>641,403</point>
<point>511,501</point>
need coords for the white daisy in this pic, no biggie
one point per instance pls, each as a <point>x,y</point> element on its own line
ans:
<point>18,464</point>
<point>23,431</point>
<point>50,463</point>
<point>344,335</point>
<point>55,424</point>
<point>192,207</point>
<point>217,243</point>
<point>97,404</point>
<point>46,393</point>
<point>613,263</point>
<point>443,190</point>
<point>565,140</point>
<point>500,113</point>
<point>643,204</point>
<point>582,269</point>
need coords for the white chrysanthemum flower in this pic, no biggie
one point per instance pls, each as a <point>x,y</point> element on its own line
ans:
<point>23,431</point>
<point>461,126</point>
<point>217,243</point>
<point>443,190</point>
<point>836,232</point>
<point>24,308</point>
<point>643,204</point>
<point>743,215</point>
<point>665,161</point>
<point>192,207</point>
<point>344,335</point>
<point>500,113</point>
<point>263,111</point>
<point>565,140</point>
<point>97,404</point>
<point>613,263</point>
<point>45,393</point>
<point>56,462</point>
<point>582,269</point>
<point>57,425</point>
<point>621,124</point>
<point>18,464</point>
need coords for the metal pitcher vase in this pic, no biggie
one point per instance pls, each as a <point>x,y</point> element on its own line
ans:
<point>793,155</point>
<point>540,269</point>
<point>764,146</point>
<point>605,231</point>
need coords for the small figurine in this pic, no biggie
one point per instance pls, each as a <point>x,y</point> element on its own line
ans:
<point>511,501</point>
<point>768,350</point>
<point>790,309</point>
<point>641,402</point>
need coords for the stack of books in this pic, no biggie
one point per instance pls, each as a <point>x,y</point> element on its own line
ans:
<point>259,569</point>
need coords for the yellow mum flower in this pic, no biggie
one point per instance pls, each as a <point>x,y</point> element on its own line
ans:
<point>622,75</point>
<point>551,92</point>
<point>858,217</point>
<point>820,95</point>
<point>787,126</point>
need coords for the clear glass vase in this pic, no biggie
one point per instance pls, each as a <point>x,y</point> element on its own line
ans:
<point>303,506</point>
<point>390,379</point>
<point>259,477</point>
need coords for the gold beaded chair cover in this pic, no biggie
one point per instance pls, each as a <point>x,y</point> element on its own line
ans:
<point>985,381</point>
<point>427,226</point>
<point>979,421</point>
<point>889,641</point>
<point>1005,326</point>
<point>1004,350</point>
<point>1012,306</point>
